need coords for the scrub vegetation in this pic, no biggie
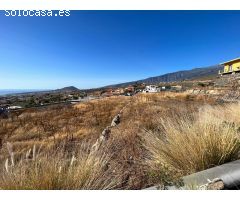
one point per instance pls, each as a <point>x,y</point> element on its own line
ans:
<point>160,138</point>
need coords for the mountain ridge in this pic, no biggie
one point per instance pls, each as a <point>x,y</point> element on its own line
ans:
<point>195,73</point>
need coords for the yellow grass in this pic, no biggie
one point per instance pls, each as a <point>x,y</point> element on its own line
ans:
<point>196,141</point>
<point>175,133</point>
<point>57,170</point>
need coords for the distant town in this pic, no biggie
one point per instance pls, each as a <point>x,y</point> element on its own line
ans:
<point>72,95</point>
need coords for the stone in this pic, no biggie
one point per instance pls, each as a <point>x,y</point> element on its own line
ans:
<point>116,120</point>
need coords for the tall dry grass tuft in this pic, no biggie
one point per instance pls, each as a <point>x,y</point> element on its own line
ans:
<point>56,170</point>
<point>194,142</point>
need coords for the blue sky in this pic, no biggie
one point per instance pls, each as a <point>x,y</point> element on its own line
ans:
<point>96,48</point>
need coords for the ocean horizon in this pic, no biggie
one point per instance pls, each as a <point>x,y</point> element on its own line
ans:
<point>16,91</point>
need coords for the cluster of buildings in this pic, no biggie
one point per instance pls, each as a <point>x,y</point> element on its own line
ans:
<point>6,109</point>
<point>142,88</point>
<point>230,67</point>
<point>154,88</point>
<point>128,91</point>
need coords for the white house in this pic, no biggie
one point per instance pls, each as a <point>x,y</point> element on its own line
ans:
<point>14,107</point>
<point>151,89</point>
<point>163,88</point>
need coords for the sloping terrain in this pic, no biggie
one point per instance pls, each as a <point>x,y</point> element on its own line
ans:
<point>159,138</point>
<point>197,73</point>
<point>40,141</point>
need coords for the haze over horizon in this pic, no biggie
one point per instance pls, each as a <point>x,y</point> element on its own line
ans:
<point>97,48</point>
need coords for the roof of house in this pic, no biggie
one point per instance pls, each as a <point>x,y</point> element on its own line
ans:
<point>230,61</point>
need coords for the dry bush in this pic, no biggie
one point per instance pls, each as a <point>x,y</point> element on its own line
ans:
<point>194,142</point>
<point>58,170</point>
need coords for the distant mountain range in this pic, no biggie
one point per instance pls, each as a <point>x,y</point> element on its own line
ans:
<point>196,73</point>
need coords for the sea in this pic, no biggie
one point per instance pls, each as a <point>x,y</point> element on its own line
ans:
<point>16,91</point>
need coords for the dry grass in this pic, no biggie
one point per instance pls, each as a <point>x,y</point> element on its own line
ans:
<point>166,96</point>
<point>183,134</point>
<point>48,126</point>
<point>58,170</point>
<point>195,142</point>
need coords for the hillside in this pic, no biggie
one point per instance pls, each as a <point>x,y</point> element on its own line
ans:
<point>79,147</point>
<point>67,89</point>
<point>196,73</point>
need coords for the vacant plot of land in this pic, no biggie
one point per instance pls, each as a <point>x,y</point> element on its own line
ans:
<point>160,138</point>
